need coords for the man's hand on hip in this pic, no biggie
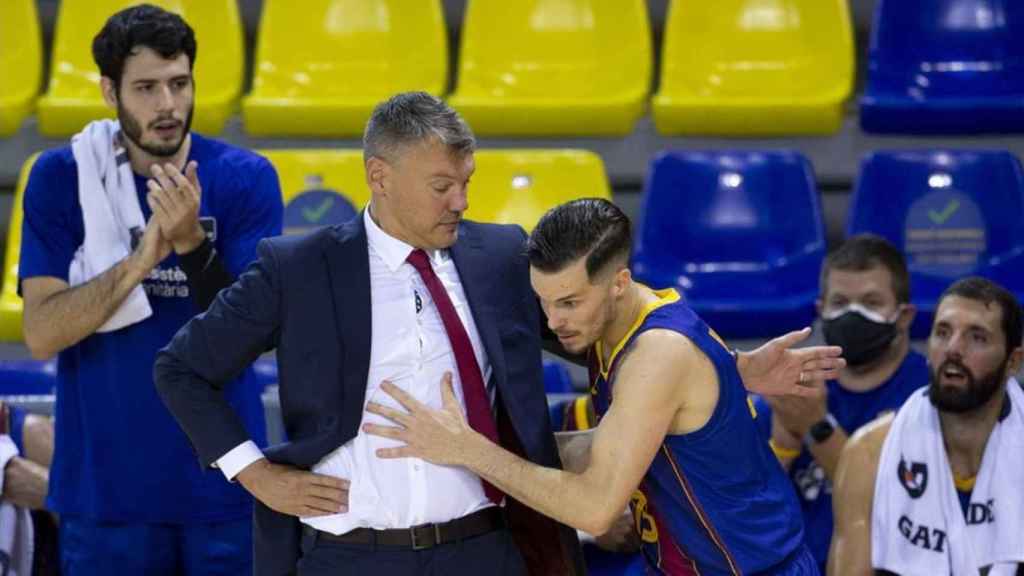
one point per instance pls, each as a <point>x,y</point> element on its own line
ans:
<point>295,492</point>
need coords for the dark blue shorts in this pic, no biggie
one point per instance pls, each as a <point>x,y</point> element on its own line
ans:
<point>89,548</point>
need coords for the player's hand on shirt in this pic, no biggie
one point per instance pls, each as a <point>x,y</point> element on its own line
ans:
<point>295,492</point>
<point>777,368</point>
<point>796,414</point>
<point>174,199</point>
<point>154,247</point>
<point>438,436</point>
<point>622,537</point>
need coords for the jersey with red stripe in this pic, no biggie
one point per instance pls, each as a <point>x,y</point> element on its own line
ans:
<point>716,500</point>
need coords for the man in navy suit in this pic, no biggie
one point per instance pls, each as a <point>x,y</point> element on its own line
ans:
<point>406,292</point>
<point>349,306</point>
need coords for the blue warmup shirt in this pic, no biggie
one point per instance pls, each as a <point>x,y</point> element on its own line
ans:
<point>119,456</point>
<point>851,410</point>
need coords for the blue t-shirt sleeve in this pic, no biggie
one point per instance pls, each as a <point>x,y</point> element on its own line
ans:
<point>764,417</point>
<point>48,239</point>
<point>256,213</point>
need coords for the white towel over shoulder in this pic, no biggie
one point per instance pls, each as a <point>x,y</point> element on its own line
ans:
<point>110,211</point>
<point>918,525</point>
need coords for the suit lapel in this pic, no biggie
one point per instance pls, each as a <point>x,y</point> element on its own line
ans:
<point>472,263</point>
<point>348,266</point>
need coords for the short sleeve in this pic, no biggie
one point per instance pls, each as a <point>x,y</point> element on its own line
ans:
<point>49,234</point>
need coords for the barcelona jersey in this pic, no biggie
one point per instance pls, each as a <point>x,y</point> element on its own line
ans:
<point>715,500</point>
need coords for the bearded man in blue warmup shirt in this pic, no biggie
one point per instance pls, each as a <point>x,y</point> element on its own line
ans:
<point>105,294</point>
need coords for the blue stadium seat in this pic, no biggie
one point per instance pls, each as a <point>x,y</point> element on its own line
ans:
<point>265,369</point>
<point>557,379</point>
<point>953,213</point>
<point>27,377</point>
<point>740,234</point>
<point>945,66</point>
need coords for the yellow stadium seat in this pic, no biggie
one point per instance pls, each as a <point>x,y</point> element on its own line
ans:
<point>21,62</point>
<point>755,67</point>
<point>10,302</point>
<point>321,69</point>
<point>554,67</point>
<point>74,98</point>
<point>519,186</point>
<point>509,186</point>
<point>309,180</point>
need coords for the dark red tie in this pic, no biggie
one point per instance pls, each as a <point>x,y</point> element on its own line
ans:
<point>478,406</point>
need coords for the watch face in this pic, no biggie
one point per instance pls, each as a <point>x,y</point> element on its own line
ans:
<point>822,430</point>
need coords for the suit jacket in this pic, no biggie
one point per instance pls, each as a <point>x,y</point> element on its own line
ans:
<point>309,297</point>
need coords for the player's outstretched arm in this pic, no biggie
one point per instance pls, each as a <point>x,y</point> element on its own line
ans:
<point>778,368</point>
<point>649,391</point>
<point>852,500</point>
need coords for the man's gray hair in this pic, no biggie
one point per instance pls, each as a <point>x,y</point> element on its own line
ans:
<point>411,117</point>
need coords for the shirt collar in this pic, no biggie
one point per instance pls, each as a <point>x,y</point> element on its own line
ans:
<point>392,250</point>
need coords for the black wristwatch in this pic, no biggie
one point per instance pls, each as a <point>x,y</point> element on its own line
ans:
<point>822,430</point>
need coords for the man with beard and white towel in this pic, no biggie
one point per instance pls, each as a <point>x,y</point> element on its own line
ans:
<point>936,489</point>
<point>128,233</point>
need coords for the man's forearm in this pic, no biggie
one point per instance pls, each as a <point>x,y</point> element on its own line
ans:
<point>25,483</point>
<point>37,434</point>
<point>63,319</point>
<point>827,453</point>
<point>572,498</point>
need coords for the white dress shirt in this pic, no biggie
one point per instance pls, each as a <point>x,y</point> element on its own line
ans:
<point>410,348</point>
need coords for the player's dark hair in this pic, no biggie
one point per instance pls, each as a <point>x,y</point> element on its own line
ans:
<point>863,252</point>
<point>591,227</point>
<point>166,33</point>
<point>986,291</point>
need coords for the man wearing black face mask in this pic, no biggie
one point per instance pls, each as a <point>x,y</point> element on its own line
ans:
<point>865,308</point>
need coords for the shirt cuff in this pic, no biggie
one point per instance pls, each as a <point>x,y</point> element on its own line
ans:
<point>238,458</point>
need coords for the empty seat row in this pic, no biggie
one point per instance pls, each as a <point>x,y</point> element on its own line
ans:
<point>323,187</point>
<point>561,67</point>
<point>741,233</point>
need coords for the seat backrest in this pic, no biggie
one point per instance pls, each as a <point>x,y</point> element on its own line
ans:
<point>319,187</point>
<point>557,378</point>
<point>952,213</point>
<point>28,377</point>
<point>540,48</point>
<point>332,48</point>
<point>21,60</point>
<point>519,186</point>
<point>219,60</point>
<point>745,47</point>
<point>509,186</point>
<point>953,47</point>
<point>729,211</point>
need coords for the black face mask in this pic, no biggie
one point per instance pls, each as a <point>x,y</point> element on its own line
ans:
<point>863,340</point>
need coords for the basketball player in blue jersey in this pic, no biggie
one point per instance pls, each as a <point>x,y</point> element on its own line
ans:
<point>676,437</point>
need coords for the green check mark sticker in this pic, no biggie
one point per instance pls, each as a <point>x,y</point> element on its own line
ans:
<point>946,213</point>
<point>315,214</point>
